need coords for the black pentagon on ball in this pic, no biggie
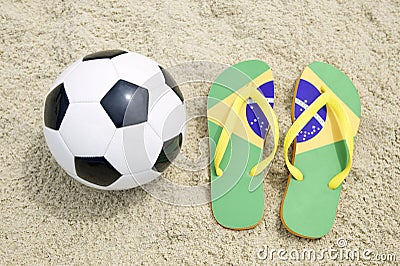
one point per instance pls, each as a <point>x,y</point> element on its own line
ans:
<point>169,80</point>
<point>126,104</point>
<point>107,54</point>
<point>55,107</point>
<point>169,151</point>
<point>96,170</point>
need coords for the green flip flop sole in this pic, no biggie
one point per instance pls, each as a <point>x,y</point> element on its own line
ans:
<point>237,197</point>
<point>309,206</point>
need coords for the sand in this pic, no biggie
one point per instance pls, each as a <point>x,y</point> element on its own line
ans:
<point>47,218</point>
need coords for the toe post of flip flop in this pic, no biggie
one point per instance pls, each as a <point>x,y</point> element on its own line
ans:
<point>326,114</point>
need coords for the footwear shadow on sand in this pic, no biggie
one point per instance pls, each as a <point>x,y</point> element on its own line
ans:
<point>51,188</point>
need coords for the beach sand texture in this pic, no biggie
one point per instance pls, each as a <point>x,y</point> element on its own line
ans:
<point>48,218</point>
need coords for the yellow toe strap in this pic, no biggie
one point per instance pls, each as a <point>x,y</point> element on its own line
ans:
<point>238,104</point>
<point>329,99</point>
<point>228,125</point>
<point>273,122</point>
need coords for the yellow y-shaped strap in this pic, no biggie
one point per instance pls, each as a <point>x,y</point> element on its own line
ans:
<point>329,99</point>
<point>238,104</point>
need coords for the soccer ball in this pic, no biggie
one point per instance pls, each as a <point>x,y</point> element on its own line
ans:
<point>114,120</point>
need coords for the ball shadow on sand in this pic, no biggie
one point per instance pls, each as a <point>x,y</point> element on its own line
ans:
<point>48,185</point>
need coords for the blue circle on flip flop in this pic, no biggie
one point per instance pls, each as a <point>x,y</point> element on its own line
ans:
<point>255,116</point>
<point>305,96</point>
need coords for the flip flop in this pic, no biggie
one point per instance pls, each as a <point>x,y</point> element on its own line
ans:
<point>239,111</point>
<point>326,113</point>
